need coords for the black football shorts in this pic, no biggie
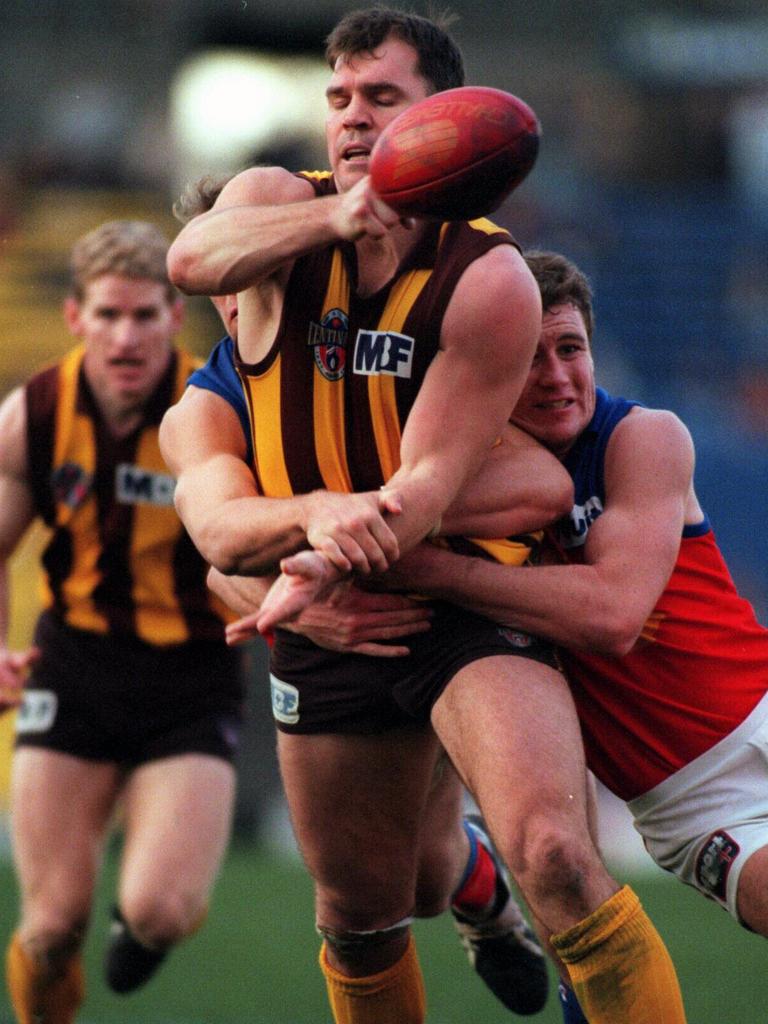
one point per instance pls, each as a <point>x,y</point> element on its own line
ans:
<point>118,699</point>
<point>315,690</point>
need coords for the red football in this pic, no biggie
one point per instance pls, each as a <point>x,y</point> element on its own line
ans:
<point>455,155</point>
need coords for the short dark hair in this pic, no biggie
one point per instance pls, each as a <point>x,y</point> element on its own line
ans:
<point>560,282</point>
<point>440,62</point>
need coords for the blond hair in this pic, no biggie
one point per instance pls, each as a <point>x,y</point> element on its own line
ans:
<point>128,248</point>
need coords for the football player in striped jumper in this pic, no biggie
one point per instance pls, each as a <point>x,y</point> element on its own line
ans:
<point>128,695</point>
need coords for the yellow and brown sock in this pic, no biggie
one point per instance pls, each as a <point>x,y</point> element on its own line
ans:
<point>38,997</point>
<point>619,966</point>
<point>395,994</point>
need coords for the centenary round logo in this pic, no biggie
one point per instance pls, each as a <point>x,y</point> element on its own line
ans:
<point>329,343</point>
<point>71,484</point>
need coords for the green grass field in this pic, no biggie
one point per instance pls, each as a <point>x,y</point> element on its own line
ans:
<point>254,961</point>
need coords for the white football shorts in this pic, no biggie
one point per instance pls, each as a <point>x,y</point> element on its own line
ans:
<point>703,822</point>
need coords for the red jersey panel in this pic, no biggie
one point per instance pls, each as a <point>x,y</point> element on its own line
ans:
<point>700,665</point>
<point>698,669</point>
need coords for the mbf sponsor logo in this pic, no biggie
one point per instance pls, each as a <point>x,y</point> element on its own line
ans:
<point>137,486</point>
<point>573,530</point>
<point>285,701</point>
<point>386,352</point>
<point>328,340</point>
<point>71,484</point>
<point>714,863</point>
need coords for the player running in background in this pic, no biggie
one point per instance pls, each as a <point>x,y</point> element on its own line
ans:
<point>129,694</point>
<point>357,750</point>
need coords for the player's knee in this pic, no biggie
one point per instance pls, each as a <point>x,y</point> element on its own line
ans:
<point>359,948</point>
<point>431,902</point>
<point>160,920</point>
<point>368,899</point>
<point>53,938</point>
<point>549,858</point>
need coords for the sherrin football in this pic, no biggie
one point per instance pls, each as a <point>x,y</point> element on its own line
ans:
<point>455,155</point>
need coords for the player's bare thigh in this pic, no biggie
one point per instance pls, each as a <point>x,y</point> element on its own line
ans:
<point>177,818</point>
<point>61,806</point>
<point>510,727</point>
<point>752,896</point>
<point>356,803</point>
<point>444,847</point>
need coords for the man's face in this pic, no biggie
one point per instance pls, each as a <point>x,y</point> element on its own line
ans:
<point>558,399</point>
<point>127,326</point>
<point>366,92</point>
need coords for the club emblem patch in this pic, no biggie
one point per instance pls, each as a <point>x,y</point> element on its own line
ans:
<point>714,863</point>
<point>71,484</point>
<point>328,340</point>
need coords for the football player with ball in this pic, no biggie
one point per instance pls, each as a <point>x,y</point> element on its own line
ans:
<point>358,455</point>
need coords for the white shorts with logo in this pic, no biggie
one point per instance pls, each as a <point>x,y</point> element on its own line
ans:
<point>703,822</point>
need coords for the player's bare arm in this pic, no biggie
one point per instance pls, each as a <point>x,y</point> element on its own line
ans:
<point>630,550</point>
<point>487,343</point>
<point>16,513</point>
<point>520,486</point>
<point>241,532</point>
<point>264,219</point>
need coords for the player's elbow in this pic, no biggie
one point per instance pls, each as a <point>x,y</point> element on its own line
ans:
<point>616,634</point>
<point>208,533</point>
<point>222,551</point>
<point>182,265</point>
<point>216,547</point>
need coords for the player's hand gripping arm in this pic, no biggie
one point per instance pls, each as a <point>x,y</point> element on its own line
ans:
<point>349,619</point>
<point>16,513</point>
<point>629,555</point>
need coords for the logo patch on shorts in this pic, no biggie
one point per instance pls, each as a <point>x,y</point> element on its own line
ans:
<point>285,701</point>
<point>515,637</point>
<point>37,712</point>
<point>714,863</point>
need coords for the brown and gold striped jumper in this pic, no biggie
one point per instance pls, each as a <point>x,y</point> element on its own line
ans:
<point>118,560</point>
<point>328,403</point>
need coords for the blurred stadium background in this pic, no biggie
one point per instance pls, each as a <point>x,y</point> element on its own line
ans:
<point>653,175</point>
